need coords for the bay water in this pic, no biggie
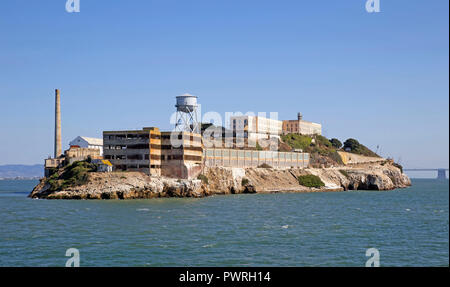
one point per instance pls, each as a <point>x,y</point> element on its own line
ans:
<point>409,227</point>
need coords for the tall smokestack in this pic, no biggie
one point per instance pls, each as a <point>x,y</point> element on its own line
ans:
<point>58,147</point>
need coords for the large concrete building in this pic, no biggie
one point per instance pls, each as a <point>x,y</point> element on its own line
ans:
<point>299,126</point>
<point>181,154</point>
<point>137,150</point>
<point>171,154</point>
<point>255,128</point>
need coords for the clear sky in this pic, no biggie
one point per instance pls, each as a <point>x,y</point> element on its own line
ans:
<point>381,78</point>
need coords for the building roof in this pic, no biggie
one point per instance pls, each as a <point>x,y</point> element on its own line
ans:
<point>102,161</point>
<point>106,162</point>
<point>93,141</point>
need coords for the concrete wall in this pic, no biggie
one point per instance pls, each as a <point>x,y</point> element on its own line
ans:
<point>248,158</point>
<point>351,158</point>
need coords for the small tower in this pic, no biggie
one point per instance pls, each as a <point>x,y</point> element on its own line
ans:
<point>299,116</point>
<point>187,115</point>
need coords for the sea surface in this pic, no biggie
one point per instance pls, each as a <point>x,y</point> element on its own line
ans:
<point>409,227</point>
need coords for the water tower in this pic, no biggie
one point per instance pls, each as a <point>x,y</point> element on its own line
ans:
<point>187,116</point>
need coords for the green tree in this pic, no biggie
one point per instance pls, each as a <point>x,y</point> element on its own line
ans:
<point>336,143</point>
<point>352,144</point>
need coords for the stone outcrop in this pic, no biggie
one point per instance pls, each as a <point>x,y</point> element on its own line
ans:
<point>131,185</point>
<point>123,185</point>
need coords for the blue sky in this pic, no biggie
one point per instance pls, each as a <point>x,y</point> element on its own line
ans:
<point>381,78</point>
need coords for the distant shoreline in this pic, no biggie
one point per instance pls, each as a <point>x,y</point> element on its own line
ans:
<point>20,178</point>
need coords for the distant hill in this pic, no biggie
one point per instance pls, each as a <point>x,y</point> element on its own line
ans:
<point>20,170</point>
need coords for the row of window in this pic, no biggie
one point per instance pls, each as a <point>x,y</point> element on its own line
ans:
<point>133,146</point>
<point>131,156</point>
<point>131,136</point>
<point>180,157</point>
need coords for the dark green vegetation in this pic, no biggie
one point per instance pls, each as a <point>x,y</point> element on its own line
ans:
<point>203,178</point>
<point>323,151</point>
<point>244,182</point>
<point>72,175</point>
<point>310,180</point>
<point>354,146</point>
<point>336,143</point>
<point>258,147</point>
<point>264,165</point>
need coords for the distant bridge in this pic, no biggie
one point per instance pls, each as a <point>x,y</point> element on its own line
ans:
<point>440,171</point>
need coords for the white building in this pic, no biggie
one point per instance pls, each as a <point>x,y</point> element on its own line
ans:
<point>254,127</point>
<point>86,142</point>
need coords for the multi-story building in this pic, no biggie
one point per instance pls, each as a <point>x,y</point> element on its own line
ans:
<point>137,150</point>
<point>299,126</point>
<point>255,127</point>
<point>181,154</point>
<point>171,154</point>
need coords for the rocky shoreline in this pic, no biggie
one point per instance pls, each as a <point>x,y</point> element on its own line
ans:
<point>135,185</point>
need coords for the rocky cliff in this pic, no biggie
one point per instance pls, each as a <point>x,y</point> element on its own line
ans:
<point>131,185</point>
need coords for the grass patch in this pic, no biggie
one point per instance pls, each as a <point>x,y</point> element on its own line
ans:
<point>264,165</point>
<point>310,181</point>
<point>297,141</point>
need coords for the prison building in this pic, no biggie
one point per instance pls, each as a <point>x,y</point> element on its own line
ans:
<point>181,154</point>
<point>255,128</point>
<point>299,126</point>
<point>246,158</point>
<point>136,150</point>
